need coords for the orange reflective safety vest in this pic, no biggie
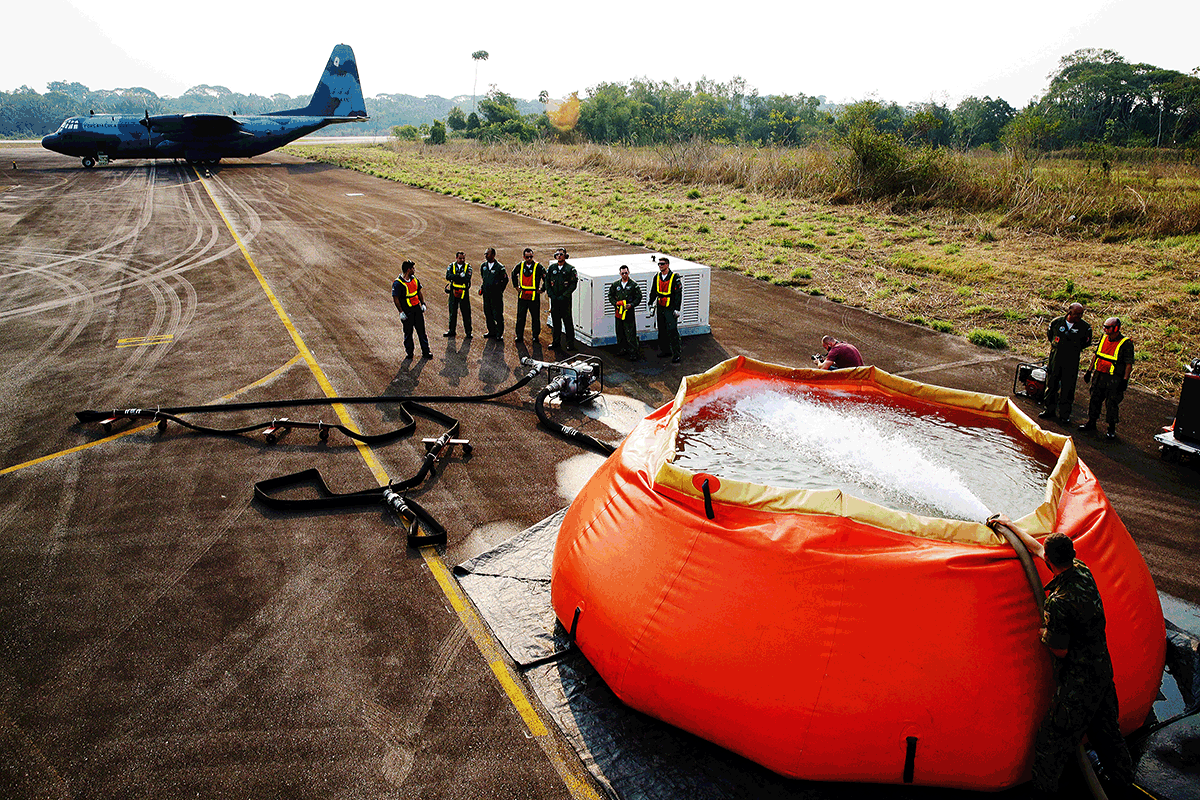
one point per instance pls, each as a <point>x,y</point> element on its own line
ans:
<point>411,288</point>
<point>1107,353</point>
<point>622,308</point>
<point>663,288</point>
<point>527,284</point>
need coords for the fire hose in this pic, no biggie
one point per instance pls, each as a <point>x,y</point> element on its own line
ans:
<point>408,510</point>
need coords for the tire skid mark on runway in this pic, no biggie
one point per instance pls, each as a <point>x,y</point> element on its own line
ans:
<point>67,330</point>
<point>77,294</point>
<point>967,362</point>
<point>401,735</point>
<point>174,297</point>
<point>274,640</point>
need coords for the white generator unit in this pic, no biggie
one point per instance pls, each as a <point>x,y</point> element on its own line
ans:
<point>595,317</point>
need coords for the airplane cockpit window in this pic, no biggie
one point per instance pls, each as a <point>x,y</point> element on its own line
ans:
<point>72,124</point>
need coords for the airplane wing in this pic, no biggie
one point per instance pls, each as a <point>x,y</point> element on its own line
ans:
<point>192,126</point>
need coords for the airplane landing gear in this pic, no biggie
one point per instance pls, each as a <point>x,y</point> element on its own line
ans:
<point>88,162</point>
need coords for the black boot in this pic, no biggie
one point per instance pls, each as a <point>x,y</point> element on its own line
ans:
<point>1090,425</point>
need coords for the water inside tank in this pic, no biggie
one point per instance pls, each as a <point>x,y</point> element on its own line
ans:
<point>897,452</point>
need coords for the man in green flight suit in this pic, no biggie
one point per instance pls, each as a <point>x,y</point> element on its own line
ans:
<point>1069,336</point>
<point>561,281</point>
<point>1085,700</point>
<point>625,295</point>
<point>493,280</point>
<point>666,295</point>
<point>458,286</point>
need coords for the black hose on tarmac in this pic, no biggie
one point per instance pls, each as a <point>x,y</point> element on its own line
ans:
<point>573,434</point>
<point>217,408</point>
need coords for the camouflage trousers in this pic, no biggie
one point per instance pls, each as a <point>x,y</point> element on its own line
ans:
<point>1077,708</point>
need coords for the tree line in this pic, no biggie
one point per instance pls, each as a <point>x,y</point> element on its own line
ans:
<point>1094,97</point>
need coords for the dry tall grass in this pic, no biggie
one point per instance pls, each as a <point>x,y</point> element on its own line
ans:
<point>1062,196</point>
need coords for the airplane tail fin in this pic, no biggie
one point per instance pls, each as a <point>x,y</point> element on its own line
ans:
<point>338,93</point>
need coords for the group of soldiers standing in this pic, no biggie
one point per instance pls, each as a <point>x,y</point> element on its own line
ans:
<point>1108,369</point>
<point>530,280</point>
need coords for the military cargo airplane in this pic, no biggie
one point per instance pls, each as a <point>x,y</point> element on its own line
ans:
<point>207,138</point>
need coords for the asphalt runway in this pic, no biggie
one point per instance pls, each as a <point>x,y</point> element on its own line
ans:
<point>162,634</point>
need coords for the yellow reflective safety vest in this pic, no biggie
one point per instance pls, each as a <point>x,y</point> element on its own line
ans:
<point>527,284</point>
<point>663,288</point>
<point>622,308</point>
<point>459,279</point>
<point>1107,353</point>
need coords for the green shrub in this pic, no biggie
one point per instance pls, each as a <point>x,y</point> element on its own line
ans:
<point>986,338</point>
<point>942,326</point>
<point>693,194</point>
<point>801,274</point>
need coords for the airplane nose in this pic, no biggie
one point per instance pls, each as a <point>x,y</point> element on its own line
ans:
<point>49,141</point>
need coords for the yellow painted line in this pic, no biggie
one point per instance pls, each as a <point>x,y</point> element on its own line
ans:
<point>466,614</point>
<point>141,428</point>
<point>372,462</point>
<point>141,341</point>
<point>483,639</point>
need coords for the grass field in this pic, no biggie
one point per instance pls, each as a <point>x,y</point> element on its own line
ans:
<point>993,276</point>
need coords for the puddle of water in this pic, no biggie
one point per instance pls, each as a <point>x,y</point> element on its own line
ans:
<point>617,412</point>
<point>484,538</point>
<point>575,472</point>
<point>1184,616</point>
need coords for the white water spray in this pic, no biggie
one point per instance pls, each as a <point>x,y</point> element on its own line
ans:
<point>871,450</point>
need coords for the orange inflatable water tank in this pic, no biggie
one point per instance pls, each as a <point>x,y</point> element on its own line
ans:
<point>828,638</point>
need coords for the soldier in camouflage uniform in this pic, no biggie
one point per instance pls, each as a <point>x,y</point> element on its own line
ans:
<point>1086,698</point>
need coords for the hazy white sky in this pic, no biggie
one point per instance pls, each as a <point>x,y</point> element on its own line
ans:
<point>904,51</point>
